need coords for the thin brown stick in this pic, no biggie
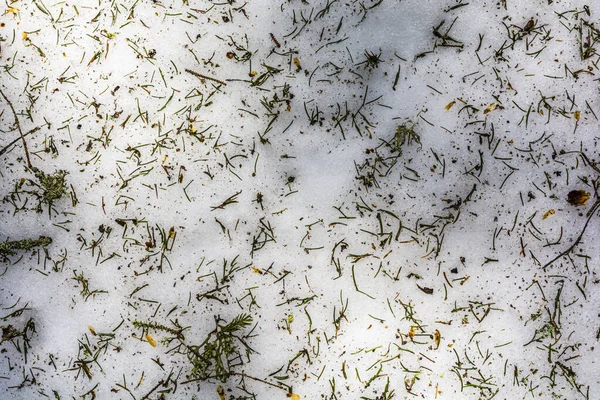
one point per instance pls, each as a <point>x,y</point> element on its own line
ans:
<point>200,76</point>
<point>274,39</point>
<point>152,390</point>
<point>19,128</point>
<point>591,164</point>
<point>578,240</point>
<point>259,380</point>
<point>8,146</point>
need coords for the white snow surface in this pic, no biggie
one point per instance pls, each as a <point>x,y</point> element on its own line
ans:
<point>229,158</point>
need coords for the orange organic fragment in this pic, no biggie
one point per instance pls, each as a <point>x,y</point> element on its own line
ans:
<point>578,198</point>
<point>549,213</point>
<point>490,108</point>
<point>151,340</point>
<point>437,336</point>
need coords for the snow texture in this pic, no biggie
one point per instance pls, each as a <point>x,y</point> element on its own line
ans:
<point>320,199</point>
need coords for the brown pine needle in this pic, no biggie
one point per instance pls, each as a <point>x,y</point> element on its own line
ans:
<point>18,127</point>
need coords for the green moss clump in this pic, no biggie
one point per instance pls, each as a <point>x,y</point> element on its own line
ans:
<point>405,136</point>
<point>9,248</point>
<point>54,185</point>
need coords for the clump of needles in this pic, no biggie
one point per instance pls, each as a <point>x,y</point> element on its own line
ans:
<point>372,60</point>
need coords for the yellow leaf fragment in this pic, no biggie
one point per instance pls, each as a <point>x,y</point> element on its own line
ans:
<point>92,330</point>
<point>24,35</point>
<point>577,115</point>
<point>12,10</point>
<point>293,396</point>
<point>490,108</point>
<point>549,213</point>
<point>411,333</point>
<point>449,105</point>
<point>437,336</point>
<point>297,64</point>
<point>151,340</point>
<point>221,392</point>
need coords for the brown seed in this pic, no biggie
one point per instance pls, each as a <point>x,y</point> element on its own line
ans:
<point>578,198</point>
<point>529,26</point>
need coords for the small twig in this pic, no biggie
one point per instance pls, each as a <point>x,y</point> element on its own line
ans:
<point>275,41</point>
<point>578,240</point>
<point>259,380</point>
<point>19,128</point>
<point>591,164</point>
<point>8,146</point>
<point>230,200</point>
<point>200,76</point>
<point>152,390</point>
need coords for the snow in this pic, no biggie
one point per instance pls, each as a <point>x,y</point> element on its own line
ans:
<point>230,158</point>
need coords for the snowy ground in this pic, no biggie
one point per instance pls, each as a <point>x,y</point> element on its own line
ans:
<point>321,199</point>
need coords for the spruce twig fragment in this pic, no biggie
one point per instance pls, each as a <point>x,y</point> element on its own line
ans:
<point>18,124</point>
<point>9,248</point>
